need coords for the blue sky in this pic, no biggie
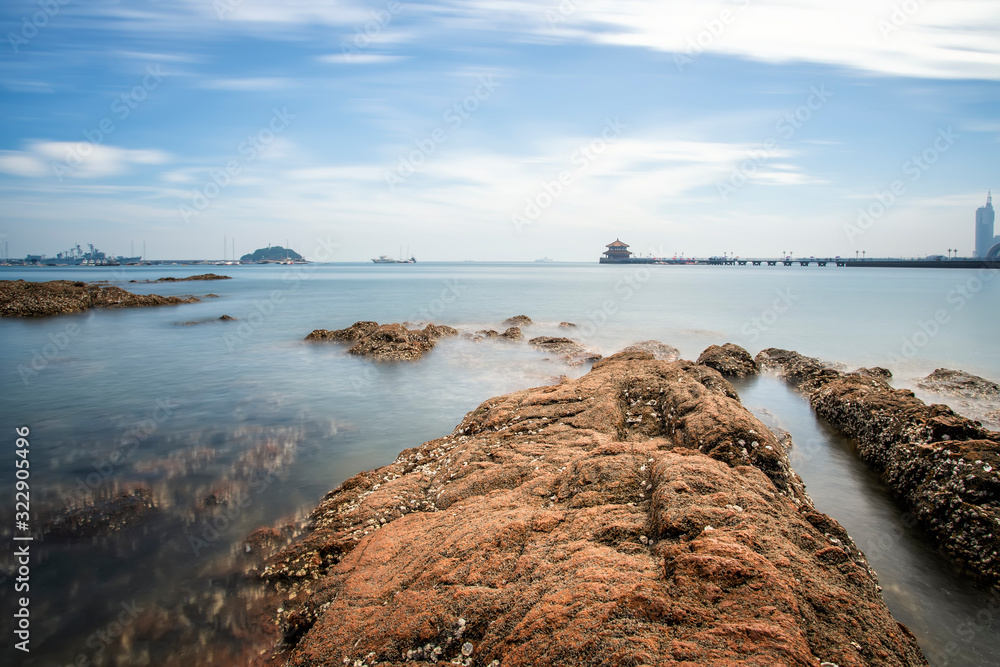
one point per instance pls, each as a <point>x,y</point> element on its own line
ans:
<point>498,129</point>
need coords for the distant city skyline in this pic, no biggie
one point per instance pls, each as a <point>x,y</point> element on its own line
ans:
<point>498,130</point>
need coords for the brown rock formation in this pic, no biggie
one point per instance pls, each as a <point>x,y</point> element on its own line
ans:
<point>517,321</point>
<point>567,325</point>
<point>731,360</point>
<point>351,334</point>
<point>171,279</point>
<point>19,298</point>
<point>959,383</point>
<point>386,342</point>
<point>942,465</point>
<point>659,350</point>
<point>636,516</point>
<point>513,333</point>
<point>572,352</point>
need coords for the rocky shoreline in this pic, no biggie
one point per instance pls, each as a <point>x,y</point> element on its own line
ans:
<point>638,515</point>
<point>20,298</point>
<point>399,342</point>
<point>941,465</point>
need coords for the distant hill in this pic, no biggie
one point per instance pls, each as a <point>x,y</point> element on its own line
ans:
<point>274,252</point>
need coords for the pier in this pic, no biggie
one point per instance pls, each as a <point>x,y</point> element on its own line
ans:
<point>959,263</point>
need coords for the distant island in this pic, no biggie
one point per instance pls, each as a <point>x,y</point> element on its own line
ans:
<point>274,253</point>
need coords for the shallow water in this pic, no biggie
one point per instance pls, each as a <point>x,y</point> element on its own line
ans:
<point>248,415</point>
<point>955,621</point>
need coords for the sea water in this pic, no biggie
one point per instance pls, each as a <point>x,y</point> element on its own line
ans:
<point>236,425</point>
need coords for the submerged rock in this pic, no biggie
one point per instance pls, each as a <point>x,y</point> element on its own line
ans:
<point>387,342</point>
<point>228,318</point>
<point>731,360</point>
<point>567,325</point>
<point>102,517</point>
<point>942,465</point>
<point>572,352</point>
<point>19,298</point>
<point>959,383</point>
<point>634,516</point>
<point>659,350</point>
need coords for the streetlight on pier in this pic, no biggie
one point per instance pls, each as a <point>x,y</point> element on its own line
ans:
<point>862,254</point>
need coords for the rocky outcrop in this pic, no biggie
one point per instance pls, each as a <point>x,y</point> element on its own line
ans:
<point>171,279</point>
<point>942,465</point>
<point>386,342</point>
<point>959,383</point>
<point>512,333</point>
<point>659,350</point>
<point>636,516</point>
<point>19,298</point>
<point>518,321</point>
<point>228,318</point>
<point>567,325</point>
<point>570,351</point>
<point>351,334</point>
<point>730,360</point>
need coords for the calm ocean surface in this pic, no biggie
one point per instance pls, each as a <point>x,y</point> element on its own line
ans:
<point>248,413</point>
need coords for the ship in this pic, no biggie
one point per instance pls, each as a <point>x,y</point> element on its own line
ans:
<point>75,256</point>
<point>385,259</point>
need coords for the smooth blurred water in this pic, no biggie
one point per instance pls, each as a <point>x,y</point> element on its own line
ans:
<point>136,397</point>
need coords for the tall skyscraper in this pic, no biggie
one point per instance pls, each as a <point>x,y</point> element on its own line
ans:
<point>984,227</point>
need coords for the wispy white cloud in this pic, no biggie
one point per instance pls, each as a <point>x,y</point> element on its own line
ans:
<point>75,159</point>
<point>954,40</point>
<point>247,84</point>
<point>360,58</point>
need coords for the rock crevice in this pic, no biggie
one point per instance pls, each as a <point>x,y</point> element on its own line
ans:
<point>942,466</point>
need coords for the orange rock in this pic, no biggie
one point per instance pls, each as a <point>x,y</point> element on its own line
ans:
<point>553,528</point>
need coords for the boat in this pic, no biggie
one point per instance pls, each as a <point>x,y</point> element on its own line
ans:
<point>385,259</point>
